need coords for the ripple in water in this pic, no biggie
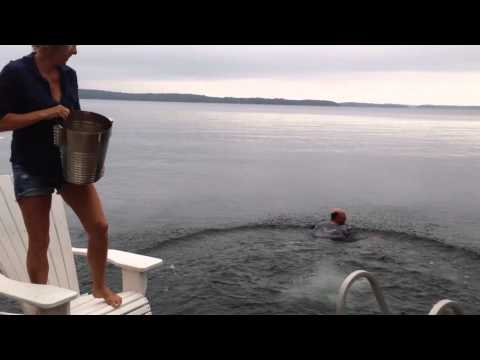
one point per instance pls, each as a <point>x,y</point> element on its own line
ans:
<point>283,270</point>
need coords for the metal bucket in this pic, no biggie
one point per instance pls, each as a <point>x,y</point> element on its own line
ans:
<point>83,140</point>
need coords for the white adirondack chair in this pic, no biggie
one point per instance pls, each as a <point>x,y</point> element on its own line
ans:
<point>61,294</point>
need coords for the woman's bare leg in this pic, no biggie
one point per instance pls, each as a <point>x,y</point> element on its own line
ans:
<point>36,216</point>
<point>85,202</point>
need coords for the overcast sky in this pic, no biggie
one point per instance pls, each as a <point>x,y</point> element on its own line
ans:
<point>395,74</point>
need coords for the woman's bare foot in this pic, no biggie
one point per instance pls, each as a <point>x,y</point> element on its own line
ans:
<point>110,297</point>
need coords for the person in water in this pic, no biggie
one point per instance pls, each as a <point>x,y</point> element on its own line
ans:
<point>335,229</point>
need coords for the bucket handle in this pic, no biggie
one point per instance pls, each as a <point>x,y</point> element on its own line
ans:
<point>58,135</point>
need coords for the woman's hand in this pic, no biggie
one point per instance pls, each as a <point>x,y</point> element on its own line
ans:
<point>56,112</point>
<point>13,121</point>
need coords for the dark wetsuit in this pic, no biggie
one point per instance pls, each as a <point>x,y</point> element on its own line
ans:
<point>332,231</point>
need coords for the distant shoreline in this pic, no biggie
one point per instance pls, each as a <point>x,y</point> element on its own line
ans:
<point>191,98</point>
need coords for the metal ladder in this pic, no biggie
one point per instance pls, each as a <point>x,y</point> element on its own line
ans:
<point>440,308</point>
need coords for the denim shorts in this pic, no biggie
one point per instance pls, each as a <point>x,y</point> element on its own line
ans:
<point>27,185</point>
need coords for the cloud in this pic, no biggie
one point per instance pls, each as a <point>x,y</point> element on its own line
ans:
<point>414,88</point>
<point>410,73</point>
<point>236,62</point>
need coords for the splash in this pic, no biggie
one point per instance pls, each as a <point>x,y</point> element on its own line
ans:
<point>322,284</point>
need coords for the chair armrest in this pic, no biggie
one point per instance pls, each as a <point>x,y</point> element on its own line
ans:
<point>126,260</point>
<point>41,296</point>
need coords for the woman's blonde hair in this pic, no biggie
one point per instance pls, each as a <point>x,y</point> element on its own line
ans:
<point>36,47</point>
<point>50,47</point>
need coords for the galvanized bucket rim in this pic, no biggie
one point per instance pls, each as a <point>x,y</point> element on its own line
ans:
<point>67,123</point>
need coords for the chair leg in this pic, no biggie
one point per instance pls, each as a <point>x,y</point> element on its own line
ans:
<point>59,310</point>
<point>134,281</point>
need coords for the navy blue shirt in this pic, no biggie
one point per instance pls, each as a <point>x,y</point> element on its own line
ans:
<point>23,90</point>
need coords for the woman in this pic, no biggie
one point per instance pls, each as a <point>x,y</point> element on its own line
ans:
<point>36,91</point>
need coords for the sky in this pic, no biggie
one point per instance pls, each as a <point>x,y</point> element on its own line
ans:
<point>403,74</point>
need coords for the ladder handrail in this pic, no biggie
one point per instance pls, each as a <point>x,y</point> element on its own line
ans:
<point>348,282</point>
<point>440,307</point>
<point>5,313</point>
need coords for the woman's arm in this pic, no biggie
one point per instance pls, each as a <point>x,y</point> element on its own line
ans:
<point>17,121</point>
<point>10,117</point>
